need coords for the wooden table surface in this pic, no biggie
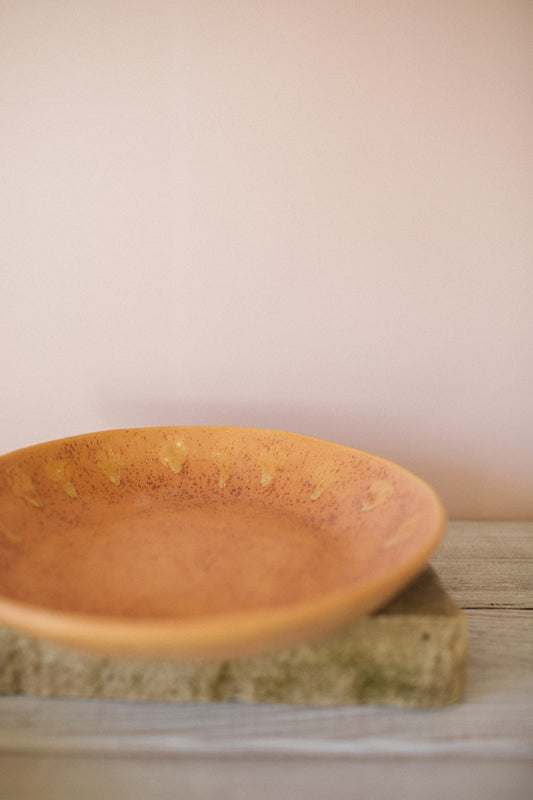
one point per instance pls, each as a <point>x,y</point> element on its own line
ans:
<point>482,748</point>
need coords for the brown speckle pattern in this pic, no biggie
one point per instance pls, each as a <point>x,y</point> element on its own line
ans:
<point>378,493</point>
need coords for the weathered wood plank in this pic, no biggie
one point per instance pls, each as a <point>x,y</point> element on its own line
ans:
<point>238,778</point>
<point>488,564</point>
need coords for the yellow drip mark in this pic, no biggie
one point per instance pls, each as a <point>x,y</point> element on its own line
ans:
<point>173,453</point>
<point>379,493</point>
<point>269,460</point>
<point>111,463</point>
<point>325,475</point>
<point>22,486</point>
<point>11,537</point>
<point>223,459</point>
<point>404,531</point>
<point>59,471</point>
<point>70,489</point>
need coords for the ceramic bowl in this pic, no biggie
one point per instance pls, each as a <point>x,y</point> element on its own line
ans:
<point>204,542</point>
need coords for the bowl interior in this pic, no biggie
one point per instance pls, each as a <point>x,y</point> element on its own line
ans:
<point>184,525</point>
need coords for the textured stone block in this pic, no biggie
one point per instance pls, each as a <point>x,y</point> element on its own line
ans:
<point>410,653</point>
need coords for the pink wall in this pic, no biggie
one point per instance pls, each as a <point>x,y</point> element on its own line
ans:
<point>314,216</point>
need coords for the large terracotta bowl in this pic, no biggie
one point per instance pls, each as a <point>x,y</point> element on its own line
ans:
<point>204,541</point>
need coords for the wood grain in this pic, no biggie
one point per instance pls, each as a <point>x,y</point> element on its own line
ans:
<point>488,564</point>
<point>263,778</point>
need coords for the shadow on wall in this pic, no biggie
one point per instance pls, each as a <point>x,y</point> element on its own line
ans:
<point>471,486</point>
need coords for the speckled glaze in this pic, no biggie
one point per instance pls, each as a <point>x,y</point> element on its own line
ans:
<point>204,541</point>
